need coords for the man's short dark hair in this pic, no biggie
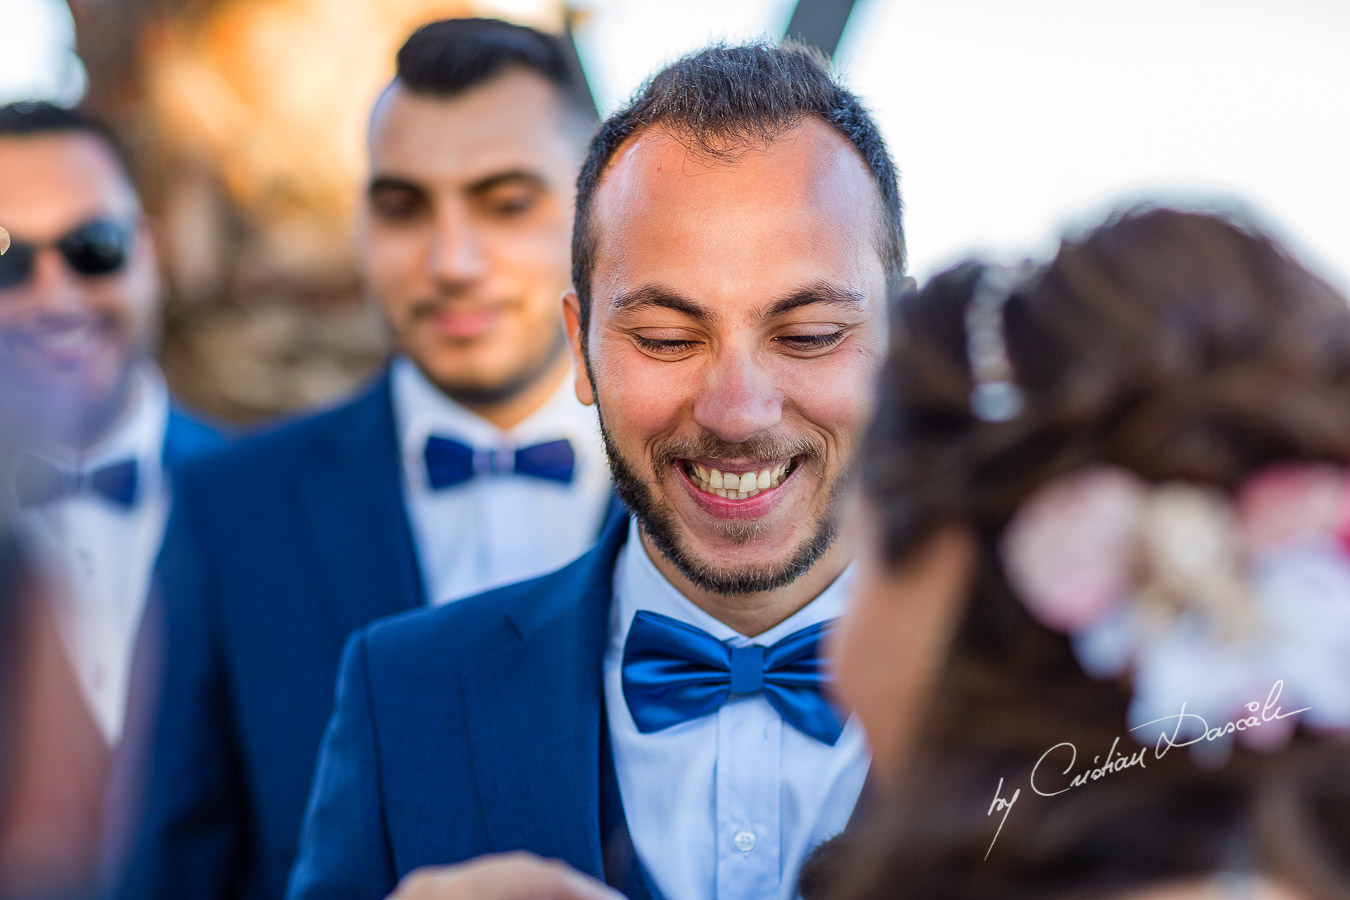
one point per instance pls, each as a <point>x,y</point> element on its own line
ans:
<point>446,58</point>
<point>719,101</point>
<point>38,118</point>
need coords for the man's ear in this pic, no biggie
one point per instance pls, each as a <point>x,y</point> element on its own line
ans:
<point>572,322</point>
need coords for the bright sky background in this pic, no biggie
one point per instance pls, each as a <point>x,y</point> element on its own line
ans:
<point>37,58</point>
<point>623,41</point>
<point>1011,120</point>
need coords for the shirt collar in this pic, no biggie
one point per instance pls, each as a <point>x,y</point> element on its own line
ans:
<point>639,585</point>
<point>138,434</point>
<point>421,409</point>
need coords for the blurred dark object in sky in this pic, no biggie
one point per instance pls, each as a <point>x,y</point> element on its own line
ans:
<point>820,23</point>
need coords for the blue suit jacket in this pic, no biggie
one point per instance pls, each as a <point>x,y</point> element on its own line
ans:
<point>468,729</point>
<point>187,438</point>
<point>277,549</point>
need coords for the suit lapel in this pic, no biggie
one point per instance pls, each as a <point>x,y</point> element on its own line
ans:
<point>352,512</point>
<point>534,712</point>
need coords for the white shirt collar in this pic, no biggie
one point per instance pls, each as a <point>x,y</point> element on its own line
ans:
<point>639,585</point>
<point>138,434</point>
<point>421,409</point>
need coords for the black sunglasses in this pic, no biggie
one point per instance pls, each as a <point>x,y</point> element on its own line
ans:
<point>98,247</point>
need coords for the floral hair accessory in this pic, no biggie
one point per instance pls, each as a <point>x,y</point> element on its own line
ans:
<point>1201,598</point>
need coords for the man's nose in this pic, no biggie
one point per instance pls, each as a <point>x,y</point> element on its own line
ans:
<point>457,252</point>
<point>738,399</point>
<point>52,287</point>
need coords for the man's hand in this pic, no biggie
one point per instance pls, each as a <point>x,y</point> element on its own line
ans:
<point>506,876</point>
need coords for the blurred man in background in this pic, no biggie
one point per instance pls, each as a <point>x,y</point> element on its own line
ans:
<point>468,463</point>
<point>79,318</point>
<point>90,440</point>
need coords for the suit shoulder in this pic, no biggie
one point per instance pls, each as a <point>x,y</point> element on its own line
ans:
<point>276,447</point>
<point>196,429</point>
<point>474,625</point>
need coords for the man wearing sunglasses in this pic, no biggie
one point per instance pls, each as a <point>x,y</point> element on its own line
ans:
<point>79,314</point>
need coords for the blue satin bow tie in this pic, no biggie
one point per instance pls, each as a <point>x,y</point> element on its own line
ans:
<point>451,462</point>
<point>38,482</point>
<point>674,672</point>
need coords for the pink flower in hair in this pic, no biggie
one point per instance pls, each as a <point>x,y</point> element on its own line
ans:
<point>1215,601</point>
<point>1284,504</point>
<point>1070,552</point>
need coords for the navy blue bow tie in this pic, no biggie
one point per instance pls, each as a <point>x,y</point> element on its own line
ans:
<point>38,482</point>
<point>674,672</point>
<point>451,462</point>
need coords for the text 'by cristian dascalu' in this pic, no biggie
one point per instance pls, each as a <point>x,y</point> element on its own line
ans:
<point>1057,772</point>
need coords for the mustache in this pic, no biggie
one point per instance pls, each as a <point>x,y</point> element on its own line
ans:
<point>765,448</point>
<point>433,306</point>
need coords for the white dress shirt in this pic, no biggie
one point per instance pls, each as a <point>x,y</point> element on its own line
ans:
<point>98,555</point>
<point>727,806</point>
<point>496,528</point>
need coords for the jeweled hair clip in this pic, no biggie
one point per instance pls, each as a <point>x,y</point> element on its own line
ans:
<point>996,396</point>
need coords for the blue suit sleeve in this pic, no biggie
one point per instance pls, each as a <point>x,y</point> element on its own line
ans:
<point>344,849</point>
<point>190,836</point>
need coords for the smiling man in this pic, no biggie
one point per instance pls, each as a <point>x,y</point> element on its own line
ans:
<point>468,463</point>
<point>80,299</point>
<point>652,713</point>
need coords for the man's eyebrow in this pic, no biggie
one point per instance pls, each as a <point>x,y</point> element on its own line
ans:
<point>508,178</point>
<point>393,183</point>
<point>653,297</point>
<point>820,292</point>
<point>481,186</point>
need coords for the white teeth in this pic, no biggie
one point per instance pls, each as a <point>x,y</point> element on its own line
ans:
<point>735,486</point>
<point>66,338</point>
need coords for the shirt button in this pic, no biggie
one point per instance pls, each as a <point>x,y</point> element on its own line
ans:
<point>745,841</point>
